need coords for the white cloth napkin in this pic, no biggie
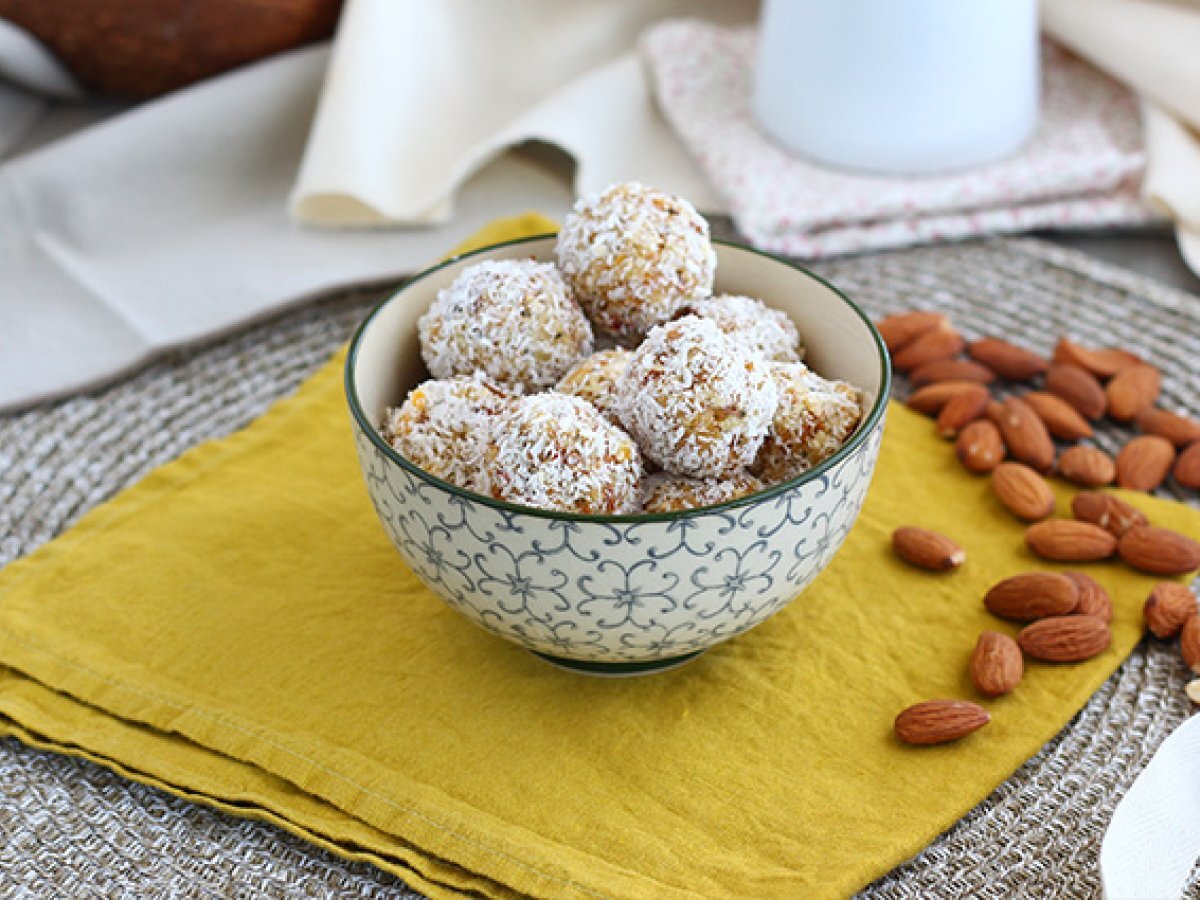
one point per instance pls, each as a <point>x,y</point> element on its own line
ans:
<point>1154,47</point>
<point>1081,169</point>
<point>1154,838</point>
<point>169,223</point>
<point>28,75</point>
<point>419,95</point>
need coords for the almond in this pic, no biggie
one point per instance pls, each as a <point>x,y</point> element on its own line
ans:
<point>1169,605</point>
<point>1179,430</point>
<point>939,343</point>
<point>979,446</point>
<point>1189,643</point>
<point>902,328</point>
<point>1032,595</point>
<point>1025,435</point>
<point>1023,491</point>
<point>1101,363</point>
<point>930,399</point>
<point>927,549</point>
<point>1113,515</point>
<point>1093,598</point>
<point>1132,391</point>
<point>1007,360</point>
<point>1143,463</point>
<point>1065,638</point>
<point>962,409</point>
<point>1159,551</point>
<point>951,370</point>
<point>1078,387</point>
<point>1087,466</point>
<point>996,664</point>
<point>1060,417</point>
<point>939,721</point>
<point>1068,540</point>
<point>1187,467</point>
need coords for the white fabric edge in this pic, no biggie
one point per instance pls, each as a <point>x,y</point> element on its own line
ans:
<point>1153,840</point>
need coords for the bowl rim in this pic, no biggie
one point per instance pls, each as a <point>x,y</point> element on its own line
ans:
<point>868,425</point>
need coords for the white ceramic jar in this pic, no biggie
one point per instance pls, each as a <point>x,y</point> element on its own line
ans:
<point>898,86</point>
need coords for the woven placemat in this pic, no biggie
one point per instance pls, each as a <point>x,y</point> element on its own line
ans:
<point>71,828</point>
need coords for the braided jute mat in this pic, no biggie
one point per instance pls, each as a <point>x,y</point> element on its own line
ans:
<point>71,828</point>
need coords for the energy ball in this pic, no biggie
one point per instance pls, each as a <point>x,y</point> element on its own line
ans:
<point>753,323</point>
<point>633,255</point>
<point>697,403</point>
<point>441,427</point>
<point>511,319</point>
<point>595,380</point>
<point>815,417</point>
<point>555,451</point>
<point>671,493</point>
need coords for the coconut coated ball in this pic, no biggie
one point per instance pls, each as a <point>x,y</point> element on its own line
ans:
<point>595,380</point>
<point>511,319</point>
<point>663,493</point>
<point>633,255</point>
<point>753,323</point>
<point>554,451</point>
<point>697,403</point>
<point>442,425</point>
<point>814,419</point>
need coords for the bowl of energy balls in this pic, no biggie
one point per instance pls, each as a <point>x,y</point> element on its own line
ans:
<point>622,444</point>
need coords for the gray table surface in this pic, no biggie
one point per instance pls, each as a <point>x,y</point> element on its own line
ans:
<point>1151,253</point>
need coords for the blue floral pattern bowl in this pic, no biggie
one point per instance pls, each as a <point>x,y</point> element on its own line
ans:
<point>620,594</point>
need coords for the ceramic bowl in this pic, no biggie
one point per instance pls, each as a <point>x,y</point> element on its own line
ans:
<point>620,594</point>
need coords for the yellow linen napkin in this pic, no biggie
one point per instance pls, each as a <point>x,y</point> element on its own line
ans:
<point>237,629</point>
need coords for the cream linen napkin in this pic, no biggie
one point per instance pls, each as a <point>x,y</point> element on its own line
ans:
<point>419,95</point>
<point>169,223</point>
<point>28,74</point>
<point>1154,47</point>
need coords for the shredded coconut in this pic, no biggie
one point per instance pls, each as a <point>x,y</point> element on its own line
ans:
<point>442,426</point>
<point>595,380</point>
<point>697,403</point>
<point>753,323</point>
<point>814,419</point>
<point>555,451</point>
<point>671,493</point>
<point>511,319</point>
<point>633,255</point>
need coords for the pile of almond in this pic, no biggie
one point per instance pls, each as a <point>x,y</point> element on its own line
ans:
<point>1033,431</point>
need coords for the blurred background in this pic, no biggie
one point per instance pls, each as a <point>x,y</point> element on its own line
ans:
<point>173,168</point>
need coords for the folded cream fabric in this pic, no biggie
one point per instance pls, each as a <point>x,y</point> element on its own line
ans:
<point>169,223</point>
<point>1154,47</point>
<point>420,95</point>
<point>28,74</point>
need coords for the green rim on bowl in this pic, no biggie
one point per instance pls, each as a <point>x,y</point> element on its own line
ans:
<point>371,428</point>
<point>618,669</point>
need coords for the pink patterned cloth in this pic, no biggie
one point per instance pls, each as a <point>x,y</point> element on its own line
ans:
<point>1082,169</point>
